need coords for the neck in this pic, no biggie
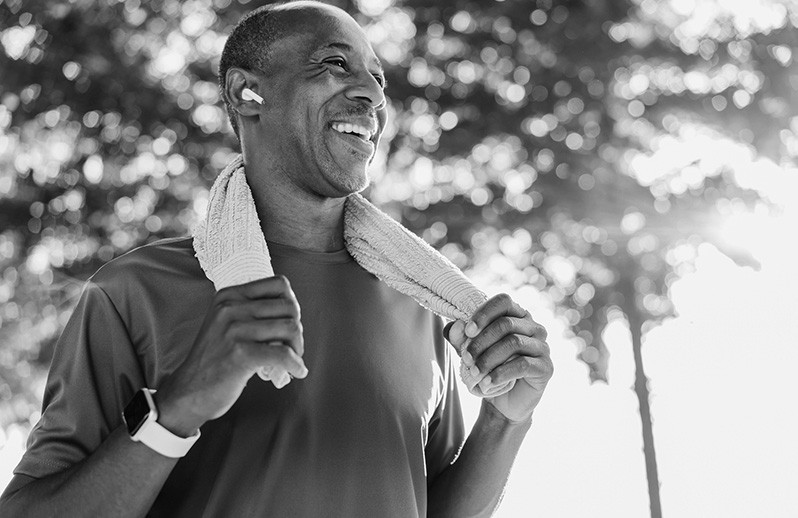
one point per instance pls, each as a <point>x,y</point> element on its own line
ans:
<point>290,214</point>
<point>311,226</point>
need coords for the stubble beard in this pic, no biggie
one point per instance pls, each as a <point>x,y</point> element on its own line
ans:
<point>351,182</point>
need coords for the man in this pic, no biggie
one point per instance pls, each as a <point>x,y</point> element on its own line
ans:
<point>372,427</point>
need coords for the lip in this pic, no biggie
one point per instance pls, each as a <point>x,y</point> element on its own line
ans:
<point>360,146</point>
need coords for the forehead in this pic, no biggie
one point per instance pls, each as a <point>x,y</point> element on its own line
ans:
<point>313,28</point>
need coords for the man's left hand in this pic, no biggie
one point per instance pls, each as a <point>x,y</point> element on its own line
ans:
<point>501,330</point>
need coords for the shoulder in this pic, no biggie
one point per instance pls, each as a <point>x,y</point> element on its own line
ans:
<point>158,255</point>
<point>162,265</point>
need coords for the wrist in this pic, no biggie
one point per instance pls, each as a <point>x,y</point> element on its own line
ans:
<point>173,417</point>
<point>141,418</point>
<point>493,415</point>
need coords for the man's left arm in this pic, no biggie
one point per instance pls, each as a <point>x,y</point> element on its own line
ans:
<point>501,343</point>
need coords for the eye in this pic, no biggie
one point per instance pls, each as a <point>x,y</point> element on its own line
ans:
<point>337,62</point>
<point>380,80</point>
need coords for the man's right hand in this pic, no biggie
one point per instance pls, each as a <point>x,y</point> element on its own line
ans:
<point>247,327</point>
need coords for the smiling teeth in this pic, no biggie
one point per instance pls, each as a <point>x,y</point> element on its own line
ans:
<point>360,131</point>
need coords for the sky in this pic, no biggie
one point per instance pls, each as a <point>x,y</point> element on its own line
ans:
<point>723,393</point>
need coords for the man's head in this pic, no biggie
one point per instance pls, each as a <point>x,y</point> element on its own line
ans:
<point>322,84</point>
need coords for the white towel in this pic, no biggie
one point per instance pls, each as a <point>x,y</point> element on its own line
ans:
<point>232,250</point>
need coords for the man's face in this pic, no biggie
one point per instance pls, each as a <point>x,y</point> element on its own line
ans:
<point>325,106</point>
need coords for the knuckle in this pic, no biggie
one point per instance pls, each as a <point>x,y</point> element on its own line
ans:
<point>515,342</point>
<point>223,306</point>
<point>505,325</point>
<point>504,299</point>
<point>294,308</point>
<point>283,281</point>
<point>541,332</point>
<point>293,326</point>
<point>546,367</point>
<point>224,293</point>
<point>226,312</point>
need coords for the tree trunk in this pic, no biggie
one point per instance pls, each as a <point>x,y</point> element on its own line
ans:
<point>641,389</point>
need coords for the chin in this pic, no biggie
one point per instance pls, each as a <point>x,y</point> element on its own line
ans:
<point>357,186</point>
<point>350,183</point>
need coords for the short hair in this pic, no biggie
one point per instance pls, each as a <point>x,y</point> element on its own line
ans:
<point>249,43</point>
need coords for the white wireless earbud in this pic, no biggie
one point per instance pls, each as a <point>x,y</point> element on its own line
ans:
<point>249,95</point>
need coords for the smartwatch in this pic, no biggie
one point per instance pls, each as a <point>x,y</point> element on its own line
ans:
<point>141,418</point>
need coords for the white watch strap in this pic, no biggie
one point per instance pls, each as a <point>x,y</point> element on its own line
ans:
<point>162,440</point>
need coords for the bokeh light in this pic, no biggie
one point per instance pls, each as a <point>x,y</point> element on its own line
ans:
<point>603,161</point>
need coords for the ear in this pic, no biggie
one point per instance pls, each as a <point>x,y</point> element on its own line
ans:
<point>236,80</point>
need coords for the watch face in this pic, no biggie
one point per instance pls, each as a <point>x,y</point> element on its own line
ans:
<point>136,412</point>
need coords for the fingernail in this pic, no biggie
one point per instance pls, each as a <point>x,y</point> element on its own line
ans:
<point>474,370</point>
<point>467,359</point>
<point>484,384</point>
<point>471,329</point>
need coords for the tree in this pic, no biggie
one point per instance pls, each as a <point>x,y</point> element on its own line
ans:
<point>111,134</point>
<point>548,140</point>
<point>535,130</point>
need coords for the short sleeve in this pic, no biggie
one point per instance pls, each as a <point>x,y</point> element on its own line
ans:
<point>446,429</point>
<point>93,374</point>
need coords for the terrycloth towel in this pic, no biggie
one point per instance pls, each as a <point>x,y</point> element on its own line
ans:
<point>232,250</point>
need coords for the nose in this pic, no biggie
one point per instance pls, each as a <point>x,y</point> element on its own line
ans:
<point>366,89</point>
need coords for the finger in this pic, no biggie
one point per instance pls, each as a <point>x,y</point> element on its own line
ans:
<point>498,329</point>
<point>446,329</point>
<point>506,348</point>
<point>268,308</point>
<point>538,370</point>
<point>242,310</point>
<point>270,287</point>
<point>454,332</point>
<point>284,330</point>
<point>274,357</point>
<point>495,307</point>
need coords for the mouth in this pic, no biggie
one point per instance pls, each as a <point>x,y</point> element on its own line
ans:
<point>358,130</point>
<point>358,136</point>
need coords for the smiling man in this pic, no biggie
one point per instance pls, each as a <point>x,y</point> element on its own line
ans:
<point>372,426</point>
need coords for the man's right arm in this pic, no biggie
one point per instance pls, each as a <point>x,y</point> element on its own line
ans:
<point>248,327</point>
<point>121,478</point>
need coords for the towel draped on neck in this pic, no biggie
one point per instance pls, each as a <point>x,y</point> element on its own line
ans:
<point>232,250</point>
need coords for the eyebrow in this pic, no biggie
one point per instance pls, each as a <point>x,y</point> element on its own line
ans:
<point>347,47</point>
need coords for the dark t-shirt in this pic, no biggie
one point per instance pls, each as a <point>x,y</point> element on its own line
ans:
<point>377,417</point>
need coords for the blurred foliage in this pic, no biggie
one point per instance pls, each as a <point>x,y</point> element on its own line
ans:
<point>584,149</point>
